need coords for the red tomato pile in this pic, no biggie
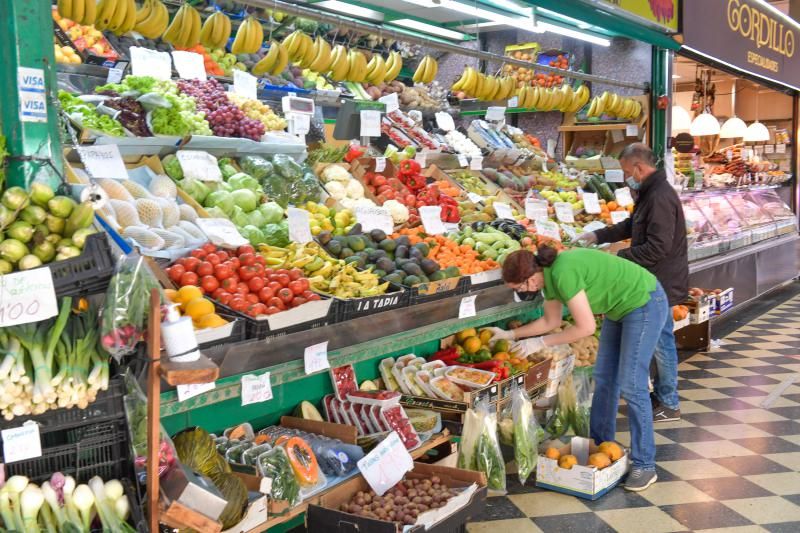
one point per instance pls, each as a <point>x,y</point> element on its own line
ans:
<point>241,280</point>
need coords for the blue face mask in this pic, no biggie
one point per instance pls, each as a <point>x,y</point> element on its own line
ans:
<point>632,183</point>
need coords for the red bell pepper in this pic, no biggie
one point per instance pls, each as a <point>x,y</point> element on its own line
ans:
<point>408,166</point>
<point>354,152</point>
<point>450,213</point>
<point>414,181</point>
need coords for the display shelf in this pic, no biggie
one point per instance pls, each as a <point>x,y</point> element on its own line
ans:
<point>744,188</point>
<point>721,259</point>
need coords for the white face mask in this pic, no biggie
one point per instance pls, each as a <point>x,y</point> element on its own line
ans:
<point>632,183</point>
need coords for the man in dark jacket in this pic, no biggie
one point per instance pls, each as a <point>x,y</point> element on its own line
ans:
<point>658,243</point>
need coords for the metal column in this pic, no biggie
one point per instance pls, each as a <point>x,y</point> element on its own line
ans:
<point>661,82</point>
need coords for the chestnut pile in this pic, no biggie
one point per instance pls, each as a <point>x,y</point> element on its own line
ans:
<point>403,502</point>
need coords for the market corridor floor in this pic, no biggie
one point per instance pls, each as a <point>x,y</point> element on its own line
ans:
<point>731,464</point>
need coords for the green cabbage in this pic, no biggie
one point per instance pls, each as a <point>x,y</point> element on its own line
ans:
<point>173,167</point>
<point>273,213</point>
<point>240,180</point>
<point>253,234</point>
<point>277,234</point>
<point>221,199</point>
<point>244,198</point>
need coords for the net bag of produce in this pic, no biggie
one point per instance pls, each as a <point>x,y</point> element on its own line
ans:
<point>480,449</point>
<point>526,433</point>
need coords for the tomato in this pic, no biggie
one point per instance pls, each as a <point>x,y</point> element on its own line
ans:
<point>175,272</point>
<point>271,310</point>
<point>251,298</point>
<point>277,302</point>
<point>235,263</point>
<point>275,286</point>
<point>223,255</point>
<point>282,271</point>
<point>244,249</point>
<point>222,271</point>
<point>248,259</point>
<point>259,270</point>
<point>217,292</point>
<point>304,282</point>
<point>209,284</point>
<point>307,294</point>
<point>260,260</point>
<point>314,298</point>
<point>265,294</point>
<point>213,259</point>
<point>283,279</point>
<point>247,273</point>
<point>296,287</point>
<point>260,309</point>
<point>191,263</point>
<point>204,268</point>
<point>209,248</point>
<point>286,295</point>
<point>225,297</point>
<point>295,273</point>
<point>242,288</point>
<point>256,284</point>
<point>298,301</point>
<point>238,303</point>
<point>229,284</point>
<point>268,272</point>
<point>199,253</point>
<point>188,278</point>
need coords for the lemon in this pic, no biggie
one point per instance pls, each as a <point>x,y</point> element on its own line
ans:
<point>188,293</point>
<point>198,308</point>
<point>211,320</point>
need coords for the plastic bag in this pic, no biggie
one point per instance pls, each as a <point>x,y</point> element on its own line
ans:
<point>480,449</point>
<point>584,387</point>
<point>256,166</point>
<point>526,433</point>
<point>123,318</point>
<point>560,418</point>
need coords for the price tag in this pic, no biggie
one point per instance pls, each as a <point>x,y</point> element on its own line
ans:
<point>618,216</point>
<point>189,65</point>
<point>495,113</point>
<point>115,75</point>
<point>769,148</point>
<point>467,307</point>
<point>475,198</point>
<point>615,175</point>
<point>421,158</point>
<point>380,164</point>
<point>222,232</point>
<point>390,100</point>
<point>431,216</point>
<point>256,389</point>
<point>146,62</point>
<point>462,160</point>
<point>780,148</point>
<point>445,121</point>
<point>535,209</point>
<point>623,197</point>
<point>199,165</point>
<point>370,123</point>
<point>190,391</point>
<point>564,212</point>
<point>315,358</point>
<point>476,163</point>
<point>570,231</point>
<point>22,442</point>
<point>513,101</point>
<point>451,226</point>
<point>386,464</point>
<point>372,218</point>
<point>593,226</point>
<point>591,203</point>
<point>300,123</point>
<point>549,229</point>
<point>631,130</point>
<point>299,225</point>
<point>27,296</point>
<point>103,161</point>
<point>245,84</point>
<point>503,211</point>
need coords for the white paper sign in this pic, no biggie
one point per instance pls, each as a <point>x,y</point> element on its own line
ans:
<point>27,296</point>
<point>495,113</point>
<point>370,123</point>
<point>513,101</point>
<point>467,307</point>
<point>222,232</point>
<point>549,229</point>
<point>535,209</point>
<point>780,148</point>
<point>769,148</point>
<point>564,212</point>
<point>593,226</point>
<point>146,62</point>
<point>431,216</point>
<point>445,121</point>
<point>476,163</point>
<point>618,216</point>
<point>315,358</point>
<point>475,198</point>
<point>570,231</point>
<point>103,161</point>
<point>615,175</point>
<point>189,65</point>
<point>114,75</point>
<point>245,84</point>
<point>372,218</point>
<point>199,165</point>
<point>299,123</point>
<point>623,197</point>
<point>22,442</point>
<point>462,160</point>
<point>386,464</point>
<point>617,136</point>
<point>421,158</point>
<point>256,389</point>
<point>194,389</point>
<point>299,225</point>
<point>390,100</point>
<point>380,164</point>
<point>631,130</point>
<point>503,211</point>
<point>590,203</point>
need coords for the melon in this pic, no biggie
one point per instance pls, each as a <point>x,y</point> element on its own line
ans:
<point>307,411</point>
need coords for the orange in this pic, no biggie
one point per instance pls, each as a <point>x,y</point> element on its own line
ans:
<point>187,293</point>
<point>611,449</point>
<point>568,461</point>
<point>501,356</point>
<point>472,345</point>
<point>198,308</point>
<point>612,205</point>
<point>552,453</point>
<point>211,320</point>
<point>485,336</point>
<point>599,460</point>
<point>463,335</point>
<point>171,295</point>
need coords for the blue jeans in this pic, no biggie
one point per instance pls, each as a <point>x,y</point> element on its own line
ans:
<point>623,368</point>
<point>665,385</point>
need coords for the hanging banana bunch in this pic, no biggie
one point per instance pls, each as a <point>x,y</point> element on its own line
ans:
<point>80,11</point>
<point>393,66</point>
<point>274,61</point>
<point>216,31</point>
<point>249,37</point>
<point>184,30</point>
<point>426,70</point>
<point>117,16</point>
<point>152,19</point>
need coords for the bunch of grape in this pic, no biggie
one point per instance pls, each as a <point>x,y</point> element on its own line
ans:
<point>258,110</point>
<point>225,118</point>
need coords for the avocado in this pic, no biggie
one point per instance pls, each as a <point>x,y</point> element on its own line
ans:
<point>414,253</point>
<point>341,239</point>
<point>410,281</point>
<point>403,240</point>
<point>379,273</point>
<point>387,244</point>
<point>400,262</point>
<point>356,243</point>
<point>346,252</point>
<point>438,275</point>
<point>377,235</point>
<point>394,277</point>
<point>334,248</point>
<point>423,248</point>
<point>385,264</point>
<point>374,255</point>
<point>412,269</point>
<point>452,272</point>
<point>324,237</point>
<point>401,252</point>
<point>353,259</point>
<point>424,279</point>
<point>429,266</point>
<point>356,230</point>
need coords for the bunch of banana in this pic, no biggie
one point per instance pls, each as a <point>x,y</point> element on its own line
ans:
<point>152,19</point>
<point>216,31</point>
<point>117,16</point>
<point>357,66</point>
<point>80,11</point>
<point>300,48</point>
<point>340,65</point>
<point>274,62</point>
<point>184,30</point>
<point>468,81</point>
<point>376,70</point>
<point>482,87</point>
<point>614,105</point>
<point>393,66</point>
<point>249,37</point>
<point>426,70</point>
<point>322,56</point>
<point>563,98</point>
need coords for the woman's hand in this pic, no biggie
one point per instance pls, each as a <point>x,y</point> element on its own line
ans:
<point>528,346</point>
<point>502,334</point>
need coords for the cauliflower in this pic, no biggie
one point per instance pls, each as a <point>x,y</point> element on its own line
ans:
<point>354,189</point>
<point>335,173</point>
<point>398,211</point>
<point>364,201</point>
<point>336,190</point>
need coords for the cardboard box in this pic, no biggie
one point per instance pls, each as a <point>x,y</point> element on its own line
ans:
<point>700,311</point>
<point>585,482</point>
<point>325,516</point>
<point>724,301</point>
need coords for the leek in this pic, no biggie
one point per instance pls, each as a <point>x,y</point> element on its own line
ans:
<point>31,501</point>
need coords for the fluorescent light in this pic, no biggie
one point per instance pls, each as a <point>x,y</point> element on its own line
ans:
<point>704,124</point>
<point>511,6</point>
<point>429,28</point>
<point>350,9</point>
<point>575,34</point>
<point>732,128</point>
<point>756,132</point>
<point>579,23</point>
<point>675,76</point>
<point>525,23</point>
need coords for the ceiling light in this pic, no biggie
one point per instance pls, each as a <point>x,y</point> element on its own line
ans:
<point>756,132</point>
<point>525,23</point>
<point>350,9</point>
<point>575,34</point>
<point>680,120</point>
<point>676,76</point>
<point>429,28</point>
<point>732,128</point>
<point>704,124</point>
<point>579,23</point>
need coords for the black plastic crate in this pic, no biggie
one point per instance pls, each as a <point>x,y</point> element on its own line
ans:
<point>109,405</point>
<point>420,294</point>
<point>89,273</point>
<point>359,307</point>
<point>238,332</point>
<point>259,329</point>
<point>485,285</point>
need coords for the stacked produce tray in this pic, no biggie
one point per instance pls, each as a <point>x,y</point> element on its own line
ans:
<point>89,273</point>
<point>360,307</point>
<point>260,329</point>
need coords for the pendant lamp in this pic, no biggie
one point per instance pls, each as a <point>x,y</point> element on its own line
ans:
<point>704,124</point>
<point>756,132</point>
<point>680,120</point>
<point>733,127</point>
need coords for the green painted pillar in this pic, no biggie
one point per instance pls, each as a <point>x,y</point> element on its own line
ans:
<point>661,83</point>
<point>28,114</point>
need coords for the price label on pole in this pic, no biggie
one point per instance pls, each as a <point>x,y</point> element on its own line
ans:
<point>549,229</point>
<point>623,197</point>
<point>564,212</point>
<point>146,62</point>
<point>245,84</point>
<point>221,232</point>
<point>445,121</point>
<point>194,389</point>
<point>390,100</point>
<point>467,307</point>
<point>103,161</point>
<point>476,163</point>
<point>631,130</point>
<point>315,358</point>
<point>503,211</point>
<point>513,101</point>
<point>370,123</point>
<point>256,389</point>
<point>386,464</point>
<point>780,148</point>
<point>299,225</point>
<point>431,216</point>
<point>189,65</point>
<point>591,203</point>
<point>618,216</point>
<point>26,297</point>
<point>20,443</point>
<point>495,113</point>
<point>372,218</point>
<point>535,209</point>
<point>769,148</point>
<point>199,165</point>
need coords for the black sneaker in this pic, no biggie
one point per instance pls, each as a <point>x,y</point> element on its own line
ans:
<point>638,480</point>
<point>662,413</point>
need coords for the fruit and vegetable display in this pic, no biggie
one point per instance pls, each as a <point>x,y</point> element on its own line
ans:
<point>528,76</point>
<point>491,242</point>
<point>343,187</point>
<point>454,259</point>
<point>404,131</point>
<point>86,116</point>
<point>476,349</point>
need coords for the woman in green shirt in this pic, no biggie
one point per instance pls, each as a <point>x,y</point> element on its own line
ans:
<point>590,282</point>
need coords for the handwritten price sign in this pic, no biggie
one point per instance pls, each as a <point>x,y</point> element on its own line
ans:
<point>27,297</point>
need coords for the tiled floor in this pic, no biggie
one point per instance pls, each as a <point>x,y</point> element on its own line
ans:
<point>732,463</point>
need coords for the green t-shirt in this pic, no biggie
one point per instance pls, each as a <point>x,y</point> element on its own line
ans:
<point>613,286</point>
